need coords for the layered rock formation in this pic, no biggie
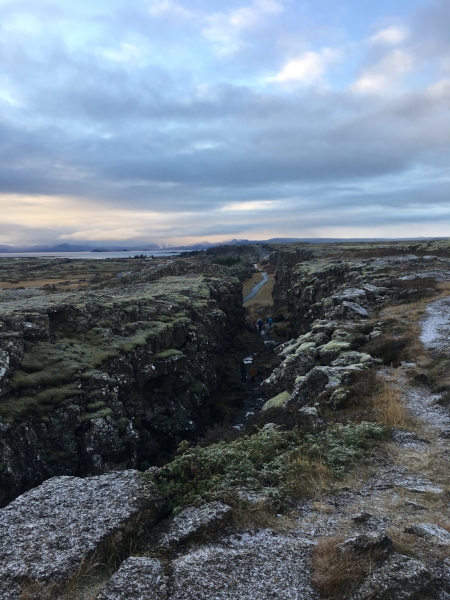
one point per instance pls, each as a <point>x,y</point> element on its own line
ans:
<point>102,380</point>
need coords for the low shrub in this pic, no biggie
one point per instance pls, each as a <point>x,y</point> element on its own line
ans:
<point>388,348</point>
<point>221,432</point>
<point>229,261</point>
<point>272,462</point>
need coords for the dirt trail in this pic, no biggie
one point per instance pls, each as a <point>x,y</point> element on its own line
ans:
<point>407,481</point>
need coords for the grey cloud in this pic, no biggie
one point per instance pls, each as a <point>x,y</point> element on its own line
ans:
<point>138,135</point>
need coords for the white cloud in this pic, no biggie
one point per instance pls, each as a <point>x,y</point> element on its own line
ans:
<point>385,74</point>
<point>126,53</point>
<point>225,29</point>
<point>252,205</point>
<point>169,8</point>
<point>248,16</point>
<point>308,68</point>
<point>441,89</point>
<point>391,35</point>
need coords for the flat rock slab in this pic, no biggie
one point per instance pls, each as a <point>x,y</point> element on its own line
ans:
<point>259,566</point>
<point>48,533</point>
<point>432,533</point>
<point>139,578</point>
<point>188,524</point>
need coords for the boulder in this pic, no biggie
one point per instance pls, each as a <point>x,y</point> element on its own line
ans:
<point>352,358</point>
<point>332,350</point>
<point>284,376</point>
<point>188,524</point>
<point>308,388</point>
<point>49,533</point>
<point>338,398</point>
<point>364,543</point>
<point>400,577</point>
<point>295,365</point>
<point>433,533</point>
<point>138,578</point>
<point>276,401</point>
<point>353,310</point>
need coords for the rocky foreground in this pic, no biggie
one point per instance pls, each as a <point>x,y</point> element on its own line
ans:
<point>338,489</point>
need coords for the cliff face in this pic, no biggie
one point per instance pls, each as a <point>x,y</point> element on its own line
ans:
<point>328,283</point>
<point>108,379</point>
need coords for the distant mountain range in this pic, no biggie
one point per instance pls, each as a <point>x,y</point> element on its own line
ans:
<point>202,246</point>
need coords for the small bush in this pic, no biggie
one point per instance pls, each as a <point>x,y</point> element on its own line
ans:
<point>271,462</point>
<point>220,433</point>
<point>388,348</point>
<point>363,387</point>
<point>285,418</point>
<point>229,261</point>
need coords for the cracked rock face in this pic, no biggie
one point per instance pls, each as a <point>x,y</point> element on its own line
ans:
<point>308,388</point>
<point>189,523</point>
<point>48,533</point>
<point>107,379</point>
<point>258,566</point>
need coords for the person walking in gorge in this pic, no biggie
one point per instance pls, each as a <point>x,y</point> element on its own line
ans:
<point>243,369</point>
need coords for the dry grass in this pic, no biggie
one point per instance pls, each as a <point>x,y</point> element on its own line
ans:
<point>248,284</point>
<point>6,285</point>
<point>390,409</point>
<point>261,305</point>
<point>306,479</point>
<point>260,514</point>
<point>337,574</point>
<point>264,296</point>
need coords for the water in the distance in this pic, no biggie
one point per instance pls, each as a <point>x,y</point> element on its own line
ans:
<point>255,289</point>
<point>91,255</point>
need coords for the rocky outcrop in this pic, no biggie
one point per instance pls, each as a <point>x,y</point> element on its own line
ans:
<point>50,534</point>
<point>308,388</point>
<point>319,284</point>
<point>108,379</point>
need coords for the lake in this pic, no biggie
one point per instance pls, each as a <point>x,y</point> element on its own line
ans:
<point>91,255</point>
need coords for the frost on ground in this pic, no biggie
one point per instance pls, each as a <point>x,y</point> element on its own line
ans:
<point>436,326</point>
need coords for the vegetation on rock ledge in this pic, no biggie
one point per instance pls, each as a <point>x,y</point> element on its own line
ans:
<point>272,462</point>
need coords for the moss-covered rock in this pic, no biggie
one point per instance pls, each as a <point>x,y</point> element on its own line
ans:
<point>276,401</point>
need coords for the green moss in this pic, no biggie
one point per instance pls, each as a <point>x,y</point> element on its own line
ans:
<point>165,354</point>
<point>278,400</point>
<point>16,408</point>
<point>94,406</point>
<point>105,412</point>
<point>197,388</point>
<point>193,328</point>
<point>48,377</point>
<point>59,457</point>
<point>141,337</point>
<point>122,424</point>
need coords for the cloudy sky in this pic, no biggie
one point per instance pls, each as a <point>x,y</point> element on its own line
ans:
<point>180,121</point>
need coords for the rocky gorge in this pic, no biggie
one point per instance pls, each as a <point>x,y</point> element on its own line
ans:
<point>338,488</point>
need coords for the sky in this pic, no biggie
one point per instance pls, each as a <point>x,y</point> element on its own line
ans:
<point>174,122</point>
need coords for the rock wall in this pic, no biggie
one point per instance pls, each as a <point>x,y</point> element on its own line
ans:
<point>322,285</point>
<point>110,379</point>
